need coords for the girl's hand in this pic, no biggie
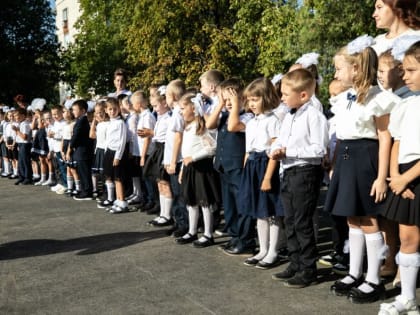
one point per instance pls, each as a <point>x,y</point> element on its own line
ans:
<point>266,185</point>
<point>278,154</point>
<point>180,178</point>
<point>379,189</point>
<point>115,162</point>
<point>187,160</point>
<point>397,184</point>
<point>170,169</point>
<point>408,194</point>
<point>68,156</point>
<point>142,161</point>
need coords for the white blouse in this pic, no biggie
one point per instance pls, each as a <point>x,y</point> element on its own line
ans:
<point>382,43</point>
<point>260,131</point>
<point>404,126</point>
<point>175,124</point>
<point>116,137</point>
<point>146,121</point>
<point>161,127</point>
<point>196,146</point>
<point>356,121</point>
<point>101,128</point>
<point>131,123</point>
<point>68,130</point>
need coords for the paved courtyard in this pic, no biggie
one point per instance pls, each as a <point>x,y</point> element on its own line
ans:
<point>60,256</point>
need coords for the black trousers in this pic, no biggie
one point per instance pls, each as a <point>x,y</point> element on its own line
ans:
<point>84,170</point>
<point>299,194</point>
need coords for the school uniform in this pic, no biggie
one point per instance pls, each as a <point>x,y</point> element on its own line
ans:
<point>59,165</point>
<point>133,147</point>
<point>24,152</point>
<point>10,138</point>
<point>356,165</point>
<point>200,184</point>
<point>40,143</point>
<point>82,148</point>
<point>67,134</point>
<point>116,140</point>
<point>154,167</point>
<point>146,121</point>
<point>229,162</point>
<point>98,160</point>
<point>304,134</point>
<point>253,201</point>
<point>405,128</point>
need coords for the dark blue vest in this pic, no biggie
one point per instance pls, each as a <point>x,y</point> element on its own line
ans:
<point>230,149</point>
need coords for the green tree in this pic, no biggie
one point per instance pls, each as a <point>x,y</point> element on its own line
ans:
<point>98,48</point>
<point>28,50</point>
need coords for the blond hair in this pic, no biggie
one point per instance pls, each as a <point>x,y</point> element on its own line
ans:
<point>176,88</point>
<point>300,80</point>
<point>366,64</point>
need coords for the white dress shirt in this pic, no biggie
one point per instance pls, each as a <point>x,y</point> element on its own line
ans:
<point>161,127</point>
<point>175,124</point>
<point>101,128</point>
<point>146,121</point>
<point>304,135</point>
<point>116,137</point>
<point>260,131</point>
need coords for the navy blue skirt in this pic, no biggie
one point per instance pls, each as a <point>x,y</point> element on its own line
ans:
<point>404,211</point>
<point>98,161</point>
<point>355,171</point>
<point>252,200</point>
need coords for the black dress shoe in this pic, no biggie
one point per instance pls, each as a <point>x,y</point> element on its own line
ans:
<point>209,241</point>
<point>187,239</point>
<point>251,262</point>
<point>179,232</point>
<point>284,275</point>
<point>154,210</point>
<point>27,182</point>
<point>19,181</point>
<point>340,288</point>
<point>302,279</point>
<point>359,297</point>
<point>238,251</point>
<point>167,222</point>
<point>265,265</point>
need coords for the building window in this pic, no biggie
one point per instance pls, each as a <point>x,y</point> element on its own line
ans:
<point>65,21</point>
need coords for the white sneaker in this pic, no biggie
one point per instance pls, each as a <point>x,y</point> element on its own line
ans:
<point>56,187</point>
<point>401,305</point>
<point>39,183</point>
<point>61,190</point>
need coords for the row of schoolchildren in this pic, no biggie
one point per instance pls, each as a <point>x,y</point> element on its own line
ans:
<point>195,169</point>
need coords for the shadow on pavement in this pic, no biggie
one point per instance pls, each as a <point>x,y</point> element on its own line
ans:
<point>86,245</point>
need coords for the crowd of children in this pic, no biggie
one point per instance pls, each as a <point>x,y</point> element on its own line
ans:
<point>260,153</point>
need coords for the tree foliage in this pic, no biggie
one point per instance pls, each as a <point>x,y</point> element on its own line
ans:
<point>28,50</point>
<point>162,40</point>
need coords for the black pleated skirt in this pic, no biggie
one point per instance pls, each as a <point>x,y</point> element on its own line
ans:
<point>404,211</point>
<point>153,166</point>
<point>200,183</point>
<point>98,161</point>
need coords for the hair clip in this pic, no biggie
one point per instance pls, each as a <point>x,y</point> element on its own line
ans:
<point>198,104</point>
<point>359,44</point>
<point>162,90</point>
<point>401,45</point>
<point>308,59</point>
<point>277,78</point>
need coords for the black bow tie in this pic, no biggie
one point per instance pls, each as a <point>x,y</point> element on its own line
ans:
<point>293,111</point>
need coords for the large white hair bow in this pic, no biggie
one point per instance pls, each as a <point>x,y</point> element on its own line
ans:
<point>198,104</point>
<point>38,104</point>
<point>401,45</point>
<point>308,59</point>
<point>162,90</point>
<point>359,44</point>
<point>277,78</point>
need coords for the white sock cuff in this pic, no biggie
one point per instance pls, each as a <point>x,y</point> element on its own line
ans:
<point>377,236</point>
<point>110,185</point>
<point>408,260</point>
<point>355,231</point>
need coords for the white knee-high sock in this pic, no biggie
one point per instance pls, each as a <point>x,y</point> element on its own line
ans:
<point>274,230</point>
<point>110,189</point>
<point>208,221</point>
<point>357,248</point>
<point>263,232</point>
<point>193,219</point>
<point>94,183</point>
<point>70,182</point>
<point>168,206</point>
<point>162,205</point>
<point>375,247</point>
<point>409,267</point>
<point>77,184</point>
